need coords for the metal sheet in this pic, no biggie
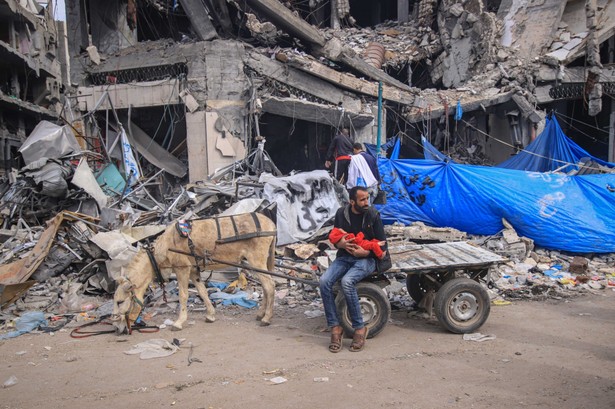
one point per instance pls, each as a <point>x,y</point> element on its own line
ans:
<point>440,256</point>
<point>20,270</point>
<point>50,141</point>
<point>11,292</point>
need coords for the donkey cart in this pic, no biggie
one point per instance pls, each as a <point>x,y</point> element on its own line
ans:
<point>444,277</point>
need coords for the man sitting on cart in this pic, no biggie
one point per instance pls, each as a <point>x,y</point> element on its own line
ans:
<point>351,265</point>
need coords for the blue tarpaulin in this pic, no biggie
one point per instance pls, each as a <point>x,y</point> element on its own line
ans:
<point>571,213</point>
<point>431,152</point>
<point>551,150</point>
<point>371,148</point>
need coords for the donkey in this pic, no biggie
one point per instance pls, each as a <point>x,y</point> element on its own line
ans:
<point>249,238</point>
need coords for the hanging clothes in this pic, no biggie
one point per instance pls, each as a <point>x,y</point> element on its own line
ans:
<point>359,173</point>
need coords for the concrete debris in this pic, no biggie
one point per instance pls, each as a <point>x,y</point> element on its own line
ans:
<point>93,54</point>
<point>178,127</point>
<point>418,231</point>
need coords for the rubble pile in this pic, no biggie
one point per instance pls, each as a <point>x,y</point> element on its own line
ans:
<point>84,201</point>
<point>403,43</point>
<point>74,285</point>
<point>529,273</point>
<point>551,274</point>
<point>67,233</point>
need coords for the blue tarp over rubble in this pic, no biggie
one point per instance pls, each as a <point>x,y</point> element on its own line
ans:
<point>570,213</point>
<point>551,150</point>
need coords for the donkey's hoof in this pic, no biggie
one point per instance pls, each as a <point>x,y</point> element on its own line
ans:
<point>259,317</point>
<point>210,319</point>
<point>176,327</point>
<point>265,323</point>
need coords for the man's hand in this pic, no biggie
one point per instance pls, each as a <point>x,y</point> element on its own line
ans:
<point>327,164</point>
<point>346,244</point>
<point>359,252</point>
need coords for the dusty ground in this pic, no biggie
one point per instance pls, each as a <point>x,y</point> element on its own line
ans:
<point>546,354</point>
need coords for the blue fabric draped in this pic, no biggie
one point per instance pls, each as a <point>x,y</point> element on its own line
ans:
<point>551,150</point>
<point>431,152</point>
<point>371,148</point>
<point>570,213</point>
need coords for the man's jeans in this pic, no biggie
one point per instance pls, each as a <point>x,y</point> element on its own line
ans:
<point>350,270</point>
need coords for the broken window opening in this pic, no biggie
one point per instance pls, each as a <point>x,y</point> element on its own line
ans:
<point>164,126</point>
<point>606,51</point>
<point>492,6</point>
<point>368,13</point>
<point>421,78</point>
<point>140,74</point>
<point>162,21</point>
<point>5,32</point>
<point>294,144</point>
<point>10,157</point>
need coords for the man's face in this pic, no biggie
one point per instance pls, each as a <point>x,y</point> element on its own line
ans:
<point>356,151</point>
<point>362,203</point>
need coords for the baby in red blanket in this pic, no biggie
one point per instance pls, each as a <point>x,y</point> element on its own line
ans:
<point>372,245</point>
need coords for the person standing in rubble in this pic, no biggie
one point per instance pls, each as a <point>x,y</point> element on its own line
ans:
<point>363,171</point>
<point>351,265</point>
<point>339,151</point>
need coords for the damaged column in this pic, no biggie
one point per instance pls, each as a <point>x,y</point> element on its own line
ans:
<point>593,87</point>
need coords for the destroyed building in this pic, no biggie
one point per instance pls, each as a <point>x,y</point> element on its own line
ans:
<point>199,82</point>
<point>31,80</point>
<point>173,94</point>
<point>168,93</point>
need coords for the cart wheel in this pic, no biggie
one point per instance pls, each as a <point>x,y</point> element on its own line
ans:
<point>462,305</point>
<point>415,283</point>
<point>375,308</point>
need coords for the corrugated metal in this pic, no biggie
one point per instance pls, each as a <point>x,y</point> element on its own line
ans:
<point>440,256</point>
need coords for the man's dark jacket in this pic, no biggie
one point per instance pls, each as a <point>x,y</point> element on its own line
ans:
<point>371,227</point>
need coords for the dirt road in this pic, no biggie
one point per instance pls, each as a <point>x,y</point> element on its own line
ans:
<point>547,355</point>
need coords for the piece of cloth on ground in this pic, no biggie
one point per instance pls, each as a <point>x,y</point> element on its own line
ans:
<point>153,348</point>
<point>28,322</point>
<point>478,337</point>
<point>240,298</point>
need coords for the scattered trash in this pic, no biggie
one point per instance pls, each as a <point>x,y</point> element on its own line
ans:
<point>10,382</point>
<point>478,337</point>
<point>190,358</point>
<point>27,322</point>
<point>314,313</point>
<point>153,348</point>
<point>321,379</point>
<point>273,372</point>
<point>240,298</point>
<point>278,380</point>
